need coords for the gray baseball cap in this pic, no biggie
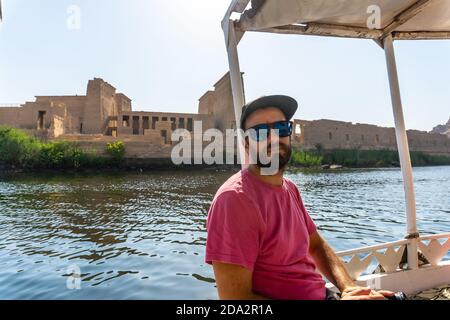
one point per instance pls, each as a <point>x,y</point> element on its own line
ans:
<point>286,104</point>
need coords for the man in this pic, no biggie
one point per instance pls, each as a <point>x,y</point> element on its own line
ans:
<point>262,242</point>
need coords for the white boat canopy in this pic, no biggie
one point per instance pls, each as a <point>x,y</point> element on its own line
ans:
<point>380,20</point>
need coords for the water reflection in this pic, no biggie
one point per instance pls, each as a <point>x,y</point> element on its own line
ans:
<point>142,236</point>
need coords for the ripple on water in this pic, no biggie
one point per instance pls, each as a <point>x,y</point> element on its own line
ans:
<point>142,236</point>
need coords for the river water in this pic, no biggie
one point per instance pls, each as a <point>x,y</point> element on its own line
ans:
<point>142,236</point>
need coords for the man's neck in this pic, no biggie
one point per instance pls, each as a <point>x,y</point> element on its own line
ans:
<point>276,179</point>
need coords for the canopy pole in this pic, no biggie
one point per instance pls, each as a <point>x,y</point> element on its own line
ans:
<point>403,150</point>
<point>237,86</point>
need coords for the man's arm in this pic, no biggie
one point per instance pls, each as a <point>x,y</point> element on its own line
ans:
<point>331,266</point>
<point>234,282</point>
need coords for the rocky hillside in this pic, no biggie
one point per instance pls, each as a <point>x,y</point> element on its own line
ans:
<point>442,129</point>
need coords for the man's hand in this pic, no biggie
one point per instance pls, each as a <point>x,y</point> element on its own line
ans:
<point>364,293</point>
<point>331,266</point>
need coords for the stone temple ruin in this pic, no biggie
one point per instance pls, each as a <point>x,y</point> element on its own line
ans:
<point>103,115</point>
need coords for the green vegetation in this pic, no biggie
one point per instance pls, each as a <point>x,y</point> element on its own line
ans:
<point>116,150</point>
<point>362,158</point>
<point>19,149</point>
<point>306,158</point>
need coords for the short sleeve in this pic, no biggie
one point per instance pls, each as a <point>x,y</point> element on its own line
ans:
<point>234,229</point>
<point>310,225</point>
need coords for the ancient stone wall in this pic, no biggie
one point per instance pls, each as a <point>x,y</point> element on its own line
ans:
<point>75,110</point>
<point>57,127</point>
<point>123,104</point>
<point>92,113</point>
<point>138,123</point>
<point>206,103</point>
<point>139,147</point>
<point>331,134</point>
<point>32,115</point>
<point>99,106</point>
<point>10,116</point>
<point>103,115</point>
<point>220,104</point>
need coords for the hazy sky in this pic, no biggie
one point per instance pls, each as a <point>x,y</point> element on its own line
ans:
<point>164,54</point>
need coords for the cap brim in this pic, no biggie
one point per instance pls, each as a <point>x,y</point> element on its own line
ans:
<point>286,104</point>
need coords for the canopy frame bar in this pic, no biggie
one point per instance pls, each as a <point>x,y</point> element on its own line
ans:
<point>331,30</point>
<point>405,16</point>
<point>403,150</point>
<point>421,35</point>
<point>327,30</point>
<point>324,30</point>
<point>237,85</point>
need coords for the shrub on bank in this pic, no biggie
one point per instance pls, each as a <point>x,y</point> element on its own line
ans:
<point>358,158</point>
<point>60,154</point>
<point>363,158</point>
<point>116,150</point>
<point>306,158</point>
<point>19,149</point>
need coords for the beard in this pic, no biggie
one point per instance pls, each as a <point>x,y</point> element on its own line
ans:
<point>284,154</point>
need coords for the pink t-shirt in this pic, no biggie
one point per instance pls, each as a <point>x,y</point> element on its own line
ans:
<point>266,229</point>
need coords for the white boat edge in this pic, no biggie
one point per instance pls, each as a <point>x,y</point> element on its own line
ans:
<point>388,255</point>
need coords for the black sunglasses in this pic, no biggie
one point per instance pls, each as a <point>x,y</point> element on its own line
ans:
<point>261,132</point>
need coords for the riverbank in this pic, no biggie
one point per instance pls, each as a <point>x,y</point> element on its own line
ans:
<point>354,158</point>
<point>127,166</point>
<point>20,151</point>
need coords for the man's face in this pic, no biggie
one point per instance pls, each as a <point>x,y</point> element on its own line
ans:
<point>267,116</point>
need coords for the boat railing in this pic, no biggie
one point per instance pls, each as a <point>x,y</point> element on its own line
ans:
<point>390,256</point>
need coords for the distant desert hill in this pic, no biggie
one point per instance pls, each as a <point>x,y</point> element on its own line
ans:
<point>442,129</point>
